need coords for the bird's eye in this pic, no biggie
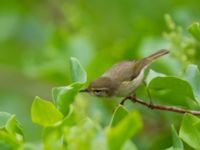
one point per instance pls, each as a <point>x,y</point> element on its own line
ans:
<point>97,91</point>
<point>100,92</point>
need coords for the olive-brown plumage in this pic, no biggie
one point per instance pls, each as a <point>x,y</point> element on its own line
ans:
<point>122,78</point>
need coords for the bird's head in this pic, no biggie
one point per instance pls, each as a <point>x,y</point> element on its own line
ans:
<point>102,86</point>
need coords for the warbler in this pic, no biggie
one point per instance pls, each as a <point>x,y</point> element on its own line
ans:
<point>123,78</point>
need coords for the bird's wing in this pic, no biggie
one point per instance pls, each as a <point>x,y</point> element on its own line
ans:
<point>124,71</point>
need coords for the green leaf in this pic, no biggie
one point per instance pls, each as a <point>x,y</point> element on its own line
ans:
<point>124,130</point>
<point>85,135</point>
<point>177,143</point>
<point>192,75</point>
<point>44,112</point>
<point>81,136</point>
<point>9,122</point>
<point>14,127</point>
<point>120,113</point>
<point>172,84</point>
<point>4,117</point>
<point>128,145</point>
<point>8,141</point>
<point>190,130</point>
<point>54,132</point>
<point>52,137</point>
<point>64,96</point>
<point>71,119</point>
<point>173,89</point>
<point>194,29</point>
<point>152,74</point>
<point>11,133</point>
<point>77,72</point>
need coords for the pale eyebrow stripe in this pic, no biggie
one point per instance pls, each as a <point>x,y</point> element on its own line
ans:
<point>100,89</point>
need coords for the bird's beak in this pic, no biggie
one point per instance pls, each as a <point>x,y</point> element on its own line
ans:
<point>84,90</point>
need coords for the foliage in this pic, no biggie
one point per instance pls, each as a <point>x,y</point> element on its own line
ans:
<point>36,39</point>
<point>189,130</point>
<point>64,127</point>
<point>194,29</point>
<point>74,131</point>
<point>11,133</point>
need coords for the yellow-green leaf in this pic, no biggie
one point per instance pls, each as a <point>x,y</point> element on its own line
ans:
<point>192,75</point>
<point>190,130</point>
<point>120,113</point>
<point>177,143</point>
<point>44,112</point>
<point>194,29</point>
<point>124,130</point>
<point>77,72</point>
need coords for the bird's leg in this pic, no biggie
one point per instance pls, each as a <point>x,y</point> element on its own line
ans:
<point>132,97</point>
<point>149,95</point>
<point>123,100</point>
<point>127,98</point>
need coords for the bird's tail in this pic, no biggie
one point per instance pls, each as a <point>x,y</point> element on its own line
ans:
<point>155,55</point>
<point>140,64</point>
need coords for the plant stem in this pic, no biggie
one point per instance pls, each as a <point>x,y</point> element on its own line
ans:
<point>161,107</point>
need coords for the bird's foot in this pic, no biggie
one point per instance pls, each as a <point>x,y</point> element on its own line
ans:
<point>132,97</point>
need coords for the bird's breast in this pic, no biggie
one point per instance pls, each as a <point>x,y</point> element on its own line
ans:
<point>127,88</point>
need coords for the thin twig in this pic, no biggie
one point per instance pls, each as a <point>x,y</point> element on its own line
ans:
<point>161,107</point>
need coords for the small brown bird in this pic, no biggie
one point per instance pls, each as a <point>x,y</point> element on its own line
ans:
<point>122,78</point>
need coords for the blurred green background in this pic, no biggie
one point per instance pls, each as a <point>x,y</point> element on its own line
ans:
<point>37,38</point>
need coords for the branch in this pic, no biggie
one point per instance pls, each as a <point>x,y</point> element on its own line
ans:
<point>160,107</point>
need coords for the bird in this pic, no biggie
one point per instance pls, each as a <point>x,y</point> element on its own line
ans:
<point>123,78</point>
